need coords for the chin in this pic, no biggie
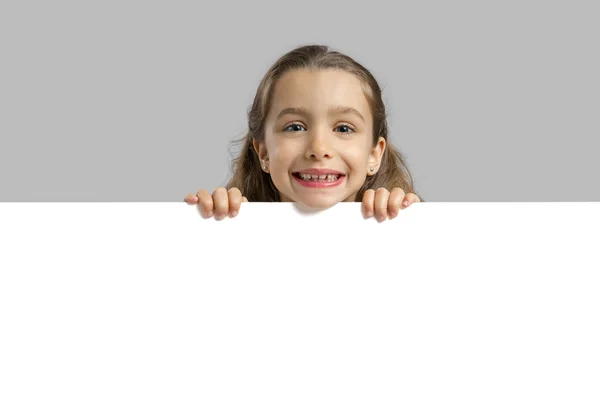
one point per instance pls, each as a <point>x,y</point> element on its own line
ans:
<point>318,204</point>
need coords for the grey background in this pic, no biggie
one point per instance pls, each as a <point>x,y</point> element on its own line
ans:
<point>138,101</point>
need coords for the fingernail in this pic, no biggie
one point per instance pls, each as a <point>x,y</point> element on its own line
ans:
<point>209,214</point>
<point>393,215</point>
<point>234,214</point>
<point>405,203</point>
<point>369,214</point>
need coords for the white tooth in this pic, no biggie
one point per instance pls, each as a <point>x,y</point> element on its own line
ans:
<point>322,177</point>
<point>314,176</point>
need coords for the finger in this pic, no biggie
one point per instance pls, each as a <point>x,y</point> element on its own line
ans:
<point>394,202</point>
<point>235,200</point>
<point>191,199</point>
<point>244,199</point>
<point>381,202</point>
<point>221,201</point>
<point>409,199</point>
<point>367,203</point>
<point>205,203</point>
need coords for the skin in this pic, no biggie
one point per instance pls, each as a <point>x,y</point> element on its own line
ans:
<point>321,132</point>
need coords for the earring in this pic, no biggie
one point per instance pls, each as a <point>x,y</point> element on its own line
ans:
<point>372,169</point>
<point>264,165</point>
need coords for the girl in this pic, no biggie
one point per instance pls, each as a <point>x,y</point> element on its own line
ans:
<point>317,135</point>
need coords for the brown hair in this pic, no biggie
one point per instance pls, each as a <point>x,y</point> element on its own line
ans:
<point>256,184</point>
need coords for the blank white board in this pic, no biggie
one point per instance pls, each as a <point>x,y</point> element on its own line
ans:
<point>448,300</point>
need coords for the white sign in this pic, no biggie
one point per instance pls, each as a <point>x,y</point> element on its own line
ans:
<point>448,300</point>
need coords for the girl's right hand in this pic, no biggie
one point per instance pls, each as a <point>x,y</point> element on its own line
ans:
<point>222,203</point>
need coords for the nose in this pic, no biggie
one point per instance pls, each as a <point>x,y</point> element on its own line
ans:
<point>318,146</point>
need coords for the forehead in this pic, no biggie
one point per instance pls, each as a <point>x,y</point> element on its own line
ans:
<point>318,90</point>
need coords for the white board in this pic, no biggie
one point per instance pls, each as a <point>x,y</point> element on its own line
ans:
<point>449,300</point>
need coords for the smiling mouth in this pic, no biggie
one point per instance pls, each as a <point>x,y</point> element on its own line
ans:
<point>317,178</point>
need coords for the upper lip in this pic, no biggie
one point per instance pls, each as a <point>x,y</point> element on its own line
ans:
<point>319,171</point>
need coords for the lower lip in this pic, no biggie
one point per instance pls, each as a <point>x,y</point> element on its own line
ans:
<point>318,184</point>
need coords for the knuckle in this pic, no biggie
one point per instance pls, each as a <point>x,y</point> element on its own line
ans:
<point>219,191</point>
<point>221,207</point>
<point>398,191</point>
<point>234,205</point>
<point>381,195</point>
<point>206,205</point>
<point>203,196</point>
<point>220,200</point>
<point>202,193</point>
<point>235,196</point>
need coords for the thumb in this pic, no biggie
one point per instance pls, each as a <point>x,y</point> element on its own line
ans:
<point>191,199</point>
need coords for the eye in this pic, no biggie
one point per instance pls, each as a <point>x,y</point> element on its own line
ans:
<point>346,129</point>
<point>295,128</point>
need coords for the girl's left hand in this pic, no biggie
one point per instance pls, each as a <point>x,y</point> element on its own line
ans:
<point>382,203</point>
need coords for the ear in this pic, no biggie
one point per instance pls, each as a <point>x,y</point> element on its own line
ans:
<point>375,156</point>
<point>261,150</point>
<point>263,156</point>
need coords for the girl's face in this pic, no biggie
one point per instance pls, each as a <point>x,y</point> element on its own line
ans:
<point>318,138</point>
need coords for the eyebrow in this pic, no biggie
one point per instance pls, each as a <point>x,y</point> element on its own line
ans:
<point>332,110</point>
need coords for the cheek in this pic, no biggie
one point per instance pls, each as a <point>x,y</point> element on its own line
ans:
<point>355,156</point>
<point>282,154</point>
